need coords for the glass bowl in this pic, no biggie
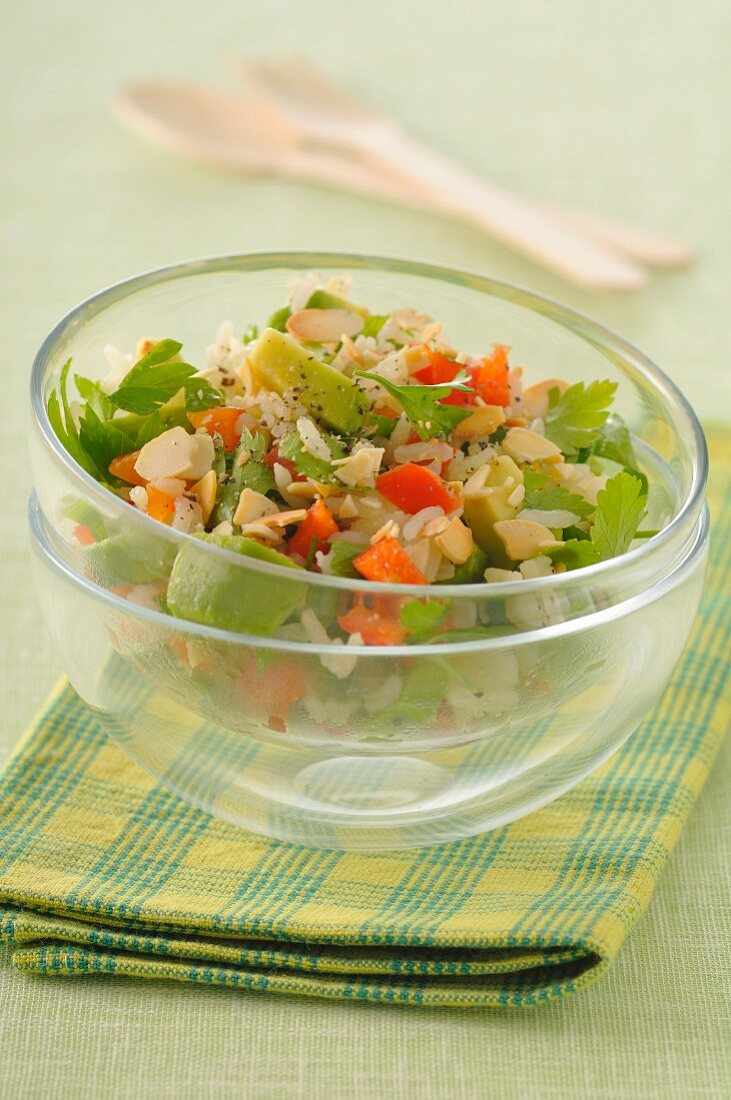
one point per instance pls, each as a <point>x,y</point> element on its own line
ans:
<point>135,555</point>
<point>407,746</point>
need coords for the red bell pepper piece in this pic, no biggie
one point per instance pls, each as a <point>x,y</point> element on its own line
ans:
<point>412,487</point>
<point>490,379</point>
<point>273,456</point>
<point>123,467</point>
<point>222,420</point>
<point>388,561</point>
<point>160,505</point>
<point>317,527</point>
<point>377,625</point>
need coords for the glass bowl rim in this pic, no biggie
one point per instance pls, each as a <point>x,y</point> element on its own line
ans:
<point>580,324</point>
<point>42,546</point>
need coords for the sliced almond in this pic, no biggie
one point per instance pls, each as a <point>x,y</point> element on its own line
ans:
<point>390,529</point>
<point>481,423</point>
<point>348,509</point>
<point>324,326</point>
<point>176,454</point>
<point>499,576</point>
<point>283,519</point>
<point>522,538</point>
<point>534,401</point>
<point>524,445</point>
<point>253,506</point>
<point>456,541</point>
<point>205,490</point>
<point>143,346</point>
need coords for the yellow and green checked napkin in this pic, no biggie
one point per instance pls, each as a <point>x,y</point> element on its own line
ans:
<point>103,872</point>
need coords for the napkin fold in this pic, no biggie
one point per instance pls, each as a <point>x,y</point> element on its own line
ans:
<point>102,871</point>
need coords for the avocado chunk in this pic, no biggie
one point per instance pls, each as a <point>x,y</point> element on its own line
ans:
<point>128,559</point>
<point>482,511</point>
<point>283,365</point>
<point>503,467</point>
<point>205,589</point>
<point>323,299</point>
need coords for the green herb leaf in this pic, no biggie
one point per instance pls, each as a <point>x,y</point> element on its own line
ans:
<point>533,480</point>
<point>292,448</point>
<point>200,394</point>
<point>278,320</point>
<point>382,426</point>
<point>250,333</point>
<point>341,558</point>
<point>94,395</point>
<point>575,420</point>
<point>102,440</point>
<point>422,404</point>
<point>574,553</point>
<point>153,380</point>
<point>619,512</point>
<point>373,324</point>
<point>621,507</point>
<point>256,445</point>
<point>62,422</point>
<point>152,426</point>
<point>422,618</point>
<point>553,497</point>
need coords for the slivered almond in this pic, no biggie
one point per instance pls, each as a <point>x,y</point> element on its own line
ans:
<point>535,398</point>
<point>482,422</point>
<point>283,519</point>
<point>205,490</point>
<point>252,507</point>
<point>143,346</point>
<point>456,541</point>
<point>390,529</point>
<point>324,326</point>
<point>522,538</point>
<point>524,445</point>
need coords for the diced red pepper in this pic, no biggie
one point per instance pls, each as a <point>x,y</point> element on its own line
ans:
<point>387,561</point>
<point>438,369</point>
<point>222,420</point>
<point>160,505</point>
<point>376,625</point>
<point>412,487</point>
<point>490,379</point>
<point>317,527</point>
<point>123,467</point>
<point>273,689</point>
<point>273,456</point>
<point>83,535</point>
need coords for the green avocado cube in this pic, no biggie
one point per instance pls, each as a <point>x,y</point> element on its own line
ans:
<point>285,366</point>
<point>482,511</point>
<point>205,589</point>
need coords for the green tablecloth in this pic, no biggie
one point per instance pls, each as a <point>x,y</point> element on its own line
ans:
<point>617,107</point>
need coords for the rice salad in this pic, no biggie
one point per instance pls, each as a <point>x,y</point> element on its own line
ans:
<point>361,445</point>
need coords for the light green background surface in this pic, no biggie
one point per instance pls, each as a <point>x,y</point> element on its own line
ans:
<point>616,106</point>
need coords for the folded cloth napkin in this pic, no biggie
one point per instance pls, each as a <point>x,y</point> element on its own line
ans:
<point>104,872</point>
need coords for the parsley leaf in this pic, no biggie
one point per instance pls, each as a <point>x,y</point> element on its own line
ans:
<point>153,380</point>
<point>422,618</point>
<point>278,320</point>
<point>200,394</point>
<point>620,510</point>
<point>575,420</point>
<point>253,474</point>
<point>62,422</point>
<point>102,440</point>
<point>554,498</point>
<point>621,507</point>
<point>94,395</point>
<point>533,480</point>
<point>373,324</point>
<point>422,404</point>
<point>292,448</point>
<point>341,557</point>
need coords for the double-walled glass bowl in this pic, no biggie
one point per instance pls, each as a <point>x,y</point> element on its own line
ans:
<point>364,747</point>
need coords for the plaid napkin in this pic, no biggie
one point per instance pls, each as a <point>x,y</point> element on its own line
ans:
<point>104,872</point>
